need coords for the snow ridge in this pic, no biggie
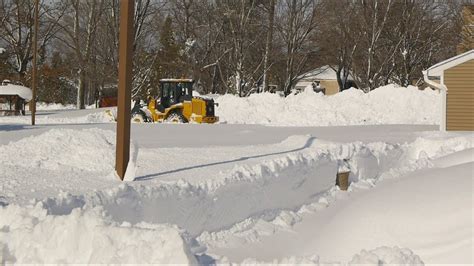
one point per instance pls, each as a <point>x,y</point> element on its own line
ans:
<point>91,237</point>
<point>390,104</point>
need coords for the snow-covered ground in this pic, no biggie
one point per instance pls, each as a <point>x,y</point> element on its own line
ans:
<point>236,193</point>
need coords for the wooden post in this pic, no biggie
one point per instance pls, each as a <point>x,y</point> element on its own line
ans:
<point>342,180</point>
<point>34,72</point>
<point>124,86</point>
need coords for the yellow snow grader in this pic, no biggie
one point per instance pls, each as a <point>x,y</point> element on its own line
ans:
<point>176,104</point>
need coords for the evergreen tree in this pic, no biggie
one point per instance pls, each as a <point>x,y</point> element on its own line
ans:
<point>170,61</point>
<point>5,70</point>
<point>53,86</point>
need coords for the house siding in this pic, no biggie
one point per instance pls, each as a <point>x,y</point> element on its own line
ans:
<point>331,86</point>
<point>460,99</point>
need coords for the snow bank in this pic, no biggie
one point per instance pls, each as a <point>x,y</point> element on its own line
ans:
<point>87,150</point>
<point>377,257</point>
<point>97,117</point>
<point>429,211</point>
<point>386,256</point>
<point>41,106</point>
<point>386,105</point>
<point>70,116</point>
<point>29,235</point>
<point>369,164</point>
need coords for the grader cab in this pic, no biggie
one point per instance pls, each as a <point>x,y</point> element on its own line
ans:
<point>175,104</point>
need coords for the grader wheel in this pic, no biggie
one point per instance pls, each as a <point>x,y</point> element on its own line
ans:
<point>137,118</point>
<point>175,117</point>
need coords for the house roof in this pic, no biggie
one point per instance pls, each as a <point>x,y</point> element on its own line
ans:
<point>176,80</point>
<point>438,69</point>
<point>322,73</point>
<point>12,89</point>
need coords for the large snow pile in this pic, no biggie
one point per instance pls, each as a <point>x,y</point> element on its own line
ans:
<point>88,149</point>
<point>386,105</point>
<point>30,235</point>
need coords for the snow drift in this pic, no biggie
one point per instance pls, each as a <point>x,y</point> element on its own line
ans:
<point>248,197</point>
<point>88,150</point>
<point>377,257</point>
<point>43,106</point>
<point>386,105</point>
<point>386,256</point>
<point>409,212</point>
<point>30,235</point>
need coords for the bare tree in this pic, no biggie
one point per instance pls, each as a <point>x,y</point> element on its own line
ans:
<point>78,33</point>
<point>467,34</point>
<point>210,49</point>
<point>16,31</point>
<point>90,33</point>
<point>296,23</point>
<point>418,32</point>
<point>238,15</point>
<point>373,66</point>
<point>232,46</point>
<point>268,43</point>
<point>339,43</point>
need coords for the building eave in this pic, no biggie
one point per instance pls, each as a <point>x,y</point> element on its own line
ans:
<point>438,69</point>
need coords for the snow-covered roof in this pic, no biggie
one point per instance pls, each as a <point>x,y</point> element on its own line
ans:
<point>12,89</point>
<point>438,69</point>
<point>176,80</point>
<point>322,73</point>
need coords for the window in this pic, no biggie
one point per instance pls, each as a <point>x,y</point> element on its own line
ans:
<point>166,89</point>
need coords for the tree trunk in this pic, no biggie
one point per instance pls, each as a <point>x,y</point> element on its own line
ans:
<point>268,45</point>
<point>339,79</point>
<point>238,82</point>
<point>81,89</point>
<point>214,80</point>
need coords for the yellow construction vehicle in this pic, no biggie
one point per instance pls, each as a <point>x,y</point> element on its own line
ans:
<point>176,104</point>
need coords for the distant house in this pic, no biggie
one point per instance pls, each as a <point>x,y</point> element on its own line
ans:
<point>323,79</point>
<point>107,96</point>
<point>456,82</point>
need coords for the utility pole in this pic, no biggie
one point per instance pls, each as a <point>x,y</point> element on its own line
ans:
<point>34,74</point>
<point>124,86</point>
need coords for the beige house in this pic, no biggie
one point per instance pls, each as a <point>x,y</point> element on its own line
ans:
<point>322,79</point>
<point>456,76</point>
